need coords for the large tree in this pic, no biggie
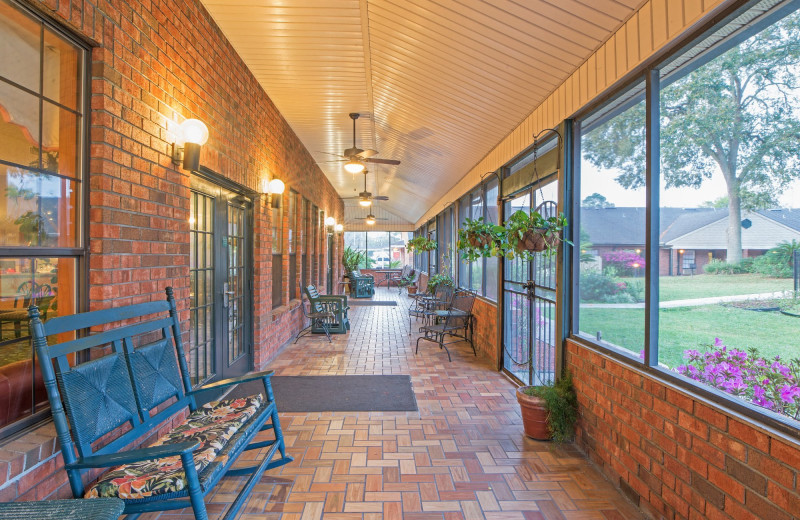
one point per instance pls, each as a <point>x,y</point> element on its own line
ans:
<point>736,115</point>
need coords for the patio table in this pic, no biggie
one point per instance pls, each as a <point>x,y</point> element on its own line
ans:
<point>77,509</point>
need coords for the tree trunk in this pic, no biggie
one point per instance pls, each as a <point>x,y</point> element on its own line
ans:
<point>734,225</point>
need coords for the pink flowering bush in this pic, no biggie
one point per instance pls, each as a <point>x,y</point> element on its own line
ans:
<point>624,261</point>
<point>773,384</point>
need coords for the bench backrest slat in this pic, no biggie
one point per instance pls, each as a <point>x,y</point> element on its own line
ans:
<point>121,387</point>
<point>87,320</point>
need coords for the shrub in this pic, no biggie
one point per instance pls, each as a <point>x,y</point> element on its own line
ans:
<point>624,261</point>
<point>599,287</point>
<point>772,384</point>
<point>717,266</point>
<point>770,265</point>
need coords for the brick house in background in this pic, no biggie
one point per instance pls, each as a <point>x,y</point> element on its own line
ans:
<point>96,213</point>
<point>690,237</point>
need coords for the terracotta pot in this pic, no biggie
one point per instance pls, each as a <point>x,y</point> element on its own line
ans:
<point>534,415</point>
<point>412,289</point>
<point>536,241</point>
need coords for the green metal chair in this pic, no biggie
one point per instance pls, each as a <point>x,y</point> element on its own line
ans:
<point>361,285</point>
<point>334,304</point>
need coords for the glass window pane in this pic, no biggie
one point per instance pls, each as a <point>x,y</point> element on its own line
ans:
<point>612,218</point>
<point>490,291</point>
<point>20,47</point>
<point>38,210</point>
<point>277,230</point>
<point>60,142</point>
<point>48,283</point>
<point>730,220</point>
<point>19,126</point>
<point>62,70</point>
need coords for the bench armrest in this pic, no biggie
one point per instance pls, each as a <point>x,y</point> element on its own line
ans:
<point>233,381</point>
<point>333,298</point>
<point>137,455</point>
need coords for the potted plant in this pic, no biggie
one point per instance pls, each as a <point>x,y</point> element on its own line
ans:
<point>478,238</point>
<point>549,412</point>
<point>533,233</point>
<point>421,244</point>
<point>351,259</point>
<point>443,279</point>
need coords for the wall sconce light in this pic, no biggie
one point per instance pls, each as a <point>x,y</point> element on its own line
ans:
<point>339,228</point>
<point>330,224</point>
<point>193,133</point>
<point>274,189</point>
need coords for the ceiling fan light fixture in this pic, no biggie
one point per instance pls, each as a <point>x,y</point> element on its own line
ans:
<point>354,166</point>
<point>370,220</point>
<point>364,202</point>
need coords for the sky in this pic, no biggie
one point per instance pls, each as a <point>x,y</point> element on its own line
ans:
<point>594,180</point>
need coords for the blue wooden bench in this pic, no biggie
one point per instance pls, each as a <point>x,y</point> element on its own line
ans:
<point>339,323</point>
<point>139,381</point>
<point>361,285</point>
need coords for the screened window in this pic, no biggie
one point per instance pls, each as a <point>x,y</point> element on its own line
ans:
<point>612,225</point>
<point>725,173</point>
<point>42,132</point>
<point>382,249</point>
<point>481,274</point>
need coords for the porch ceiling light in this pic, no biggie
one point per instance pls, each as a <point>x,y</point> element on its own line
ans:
<point>354,166</point>
<point>365,202</point>
<point>192,135</point>
<point>370,220</point>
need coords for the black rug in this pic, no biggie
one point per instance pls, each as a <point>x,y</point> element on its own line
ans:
<point>372,303</point>
<point>337,393</point>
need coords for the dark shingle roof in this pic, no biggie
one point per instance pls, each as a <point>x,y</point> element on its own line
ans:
<point>626,226</point>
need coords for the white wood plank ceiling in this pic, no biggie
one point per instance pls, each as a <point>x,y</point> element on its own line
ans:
<point>438,83</point>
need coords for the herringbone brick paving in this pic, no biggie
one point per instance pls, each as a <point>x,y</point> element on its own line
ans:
<point>462,456</point>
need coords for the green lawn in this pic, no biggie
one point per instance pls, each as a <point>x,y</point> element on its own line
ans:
<point>692,327</point>
<point>707,285</point>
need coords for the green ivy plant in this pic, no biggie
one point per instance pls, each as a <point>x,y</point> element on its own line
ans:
<point>421,244</point>
<point>526,234</point>
<point>442,279</point>
<point>561,403</point>
<point>480,239</point>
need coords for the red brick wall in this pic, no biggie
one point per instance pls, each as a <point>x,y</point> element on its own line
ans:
<point>154,63</point>
<point>675,455</point>
<point>486,329</point>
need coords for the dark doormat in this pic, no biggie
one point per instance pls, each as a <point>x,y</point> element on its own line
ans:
<point>337,393</point>
<point>372,303</point>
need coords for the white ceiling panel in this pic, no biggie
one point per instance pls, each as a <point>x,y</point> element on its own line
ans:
<point>438,83</point>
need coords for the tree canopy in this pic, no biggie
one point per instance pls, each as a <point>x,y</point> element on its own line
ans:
<point>734,116</point>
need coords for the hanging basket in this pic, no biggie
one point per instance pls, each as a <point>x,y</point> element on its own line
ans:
<point>537,240</point>
<point>479,240</point>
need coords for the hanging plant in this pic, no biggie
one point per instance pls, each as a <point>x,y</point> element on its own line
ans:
<point>443,279</point>
<point>528,234</point>
<point>480,239</point>
<point>421,244</point>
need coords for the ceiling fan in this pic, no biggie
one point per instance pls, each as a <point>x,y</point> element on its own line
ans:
<point>356,157</point>
<point>370,219</point>
<point>365,198</point>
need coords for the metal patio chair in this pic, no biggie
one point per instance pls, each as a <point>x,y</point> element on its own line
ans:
<point>457,317</point>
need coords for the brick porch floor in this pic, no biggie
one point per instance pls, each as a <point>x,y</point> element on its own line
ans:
<point>462,456</point>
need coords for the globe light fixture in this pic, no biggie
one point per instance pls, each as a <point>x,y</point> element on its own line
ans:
<point>364,202</point>
<point>370,220</point>
<point>338,228</point>
<point>192,135</point>
<point>354,166</point>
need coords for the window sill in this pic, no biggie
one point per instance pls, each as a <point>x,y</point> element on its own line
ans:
<point>27,450</point>
<point>277,312</point>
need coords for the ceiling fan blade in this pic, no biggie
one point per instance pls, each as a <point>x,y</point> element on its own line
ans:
<point>383,161</point>
<point>380,197</point>
<point>364,154</point>
<point>351,152</point>
<point>334,154</point>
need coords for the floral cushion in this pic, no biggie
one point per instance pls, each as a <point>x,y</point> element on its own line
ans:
<point>212,425</point>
